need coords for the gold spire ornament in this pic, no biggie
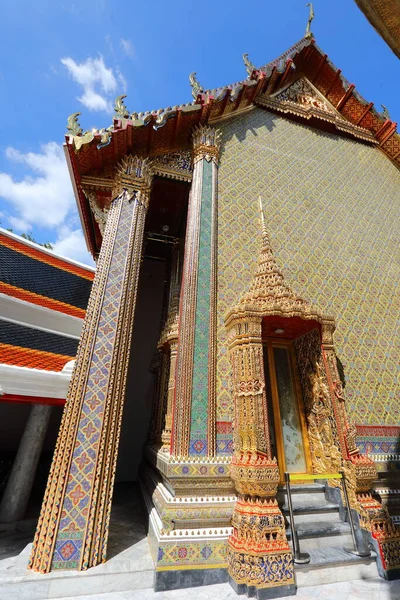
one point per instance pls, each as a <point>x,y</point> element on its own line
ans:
<point>309,33</point>
<point>269,290</point>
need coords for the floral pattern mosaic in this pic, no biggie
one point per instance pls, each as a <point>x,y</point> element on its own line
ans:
<point>332,216</point>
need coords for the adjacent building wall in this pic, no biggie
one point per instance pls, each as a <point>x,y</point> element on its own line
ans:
<point>332,209</point>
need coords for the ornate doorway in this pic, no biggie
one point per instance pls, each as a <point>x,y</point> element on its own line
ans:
<point>287,422</point>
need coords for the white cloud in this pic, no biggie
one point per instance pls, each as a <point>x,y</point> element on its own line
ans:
<point>97,80</point>
<point>43,197</point>
<point>19,224</point>
<point>122,80</point>
<point>127,47</point>
<point>71,243</point>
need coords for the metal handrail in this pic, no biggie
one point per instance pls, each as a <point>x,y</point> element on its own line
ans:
<point>300,558</point>
<point>303,557</point>
<point>354,550</point>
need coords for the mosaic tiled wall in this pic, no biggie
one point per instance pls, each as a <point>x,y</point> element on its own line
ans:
<point>332,213</point>
<point>382,443</point>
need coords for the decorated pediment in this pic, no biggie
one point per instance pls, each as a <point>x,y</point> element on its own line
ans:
<point>302,99</point>
<point>303,92</point>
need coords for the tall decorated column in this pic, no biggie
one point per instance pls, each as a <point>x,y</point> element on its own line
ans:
<point>72,531</point>
<point>169,343</point>
<point>195,375</point>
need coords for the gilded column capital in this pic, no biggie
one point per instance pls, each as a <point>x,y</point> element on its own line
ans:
<point>134,175</point>
<point>206,144</point>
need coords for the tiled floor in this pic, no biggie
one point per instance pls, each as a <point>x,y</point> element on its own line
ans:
<point>370,589</point>
<point>130,564</point>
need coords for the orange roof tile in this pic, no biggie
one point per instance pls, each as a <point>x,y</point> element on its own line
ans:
<point>16,292</point>
<point>33,359</point>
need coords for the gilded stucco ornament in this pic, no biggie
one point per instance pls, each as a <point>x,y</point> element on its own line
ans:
<point>174,165</point>
<point>99,214</point>
<point>206,144</point>
<point>134,175</point>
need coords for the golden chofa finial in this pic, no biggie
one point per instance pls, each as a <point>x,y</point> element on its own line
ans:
<point>385,113</point>
<point>195,85</point>
<point>73,127</point>
<point>119,107</point>
<point>250,67</point>
<point>309,33</point>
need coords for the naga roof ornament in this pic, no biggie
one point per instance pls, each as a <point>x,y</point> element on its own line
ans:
<point>250,67</point>
<point>385,113</point>
<point>195,85</point>
<point>120,108</point>
<point>73,126</point>
<point>308,34</point>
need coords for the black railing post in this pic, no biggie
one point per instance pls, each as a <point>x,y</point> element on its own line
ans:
<point>300,558</point>
<point>354,550</point>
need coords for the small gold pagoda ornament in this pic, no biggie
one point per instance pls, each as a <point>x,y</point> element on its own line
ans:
<point>309,33</point>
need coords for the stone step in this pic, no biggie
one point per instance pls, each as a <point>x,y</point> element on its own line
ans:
<point>319,529</point>
<point>304,488</point>
<point>311,508</point>
<point>320,534</point>
<point>324,563</point>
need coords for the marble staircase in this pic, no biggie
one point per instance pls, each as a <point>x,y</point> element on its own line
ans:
<point>130,567</point>
<point>323,535</point>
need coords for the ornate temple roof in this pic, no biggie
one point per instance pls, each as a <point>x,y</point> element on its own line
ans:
<point>36,275</point>
<point>43,299</point>
<point>332,103</point>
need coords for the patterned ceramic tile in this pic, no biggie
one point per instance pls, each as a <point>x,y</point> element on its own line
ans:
<point>333,219</point>
<point>75,510</point>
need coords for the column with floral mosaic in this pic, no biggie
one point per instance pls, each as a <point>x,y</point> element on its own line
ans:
<point>194,407</point>
<point>72,530</point>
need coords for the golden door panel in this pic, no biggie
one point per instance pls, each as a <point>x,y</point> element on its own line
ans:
<point>287,425</point>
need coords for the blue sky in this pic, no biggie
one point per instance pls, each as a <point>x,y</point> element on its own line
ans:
<point>61,57</point>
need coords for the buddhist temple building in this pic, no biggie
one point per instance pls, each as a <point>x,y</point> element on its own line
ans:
<point>244,312</point>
